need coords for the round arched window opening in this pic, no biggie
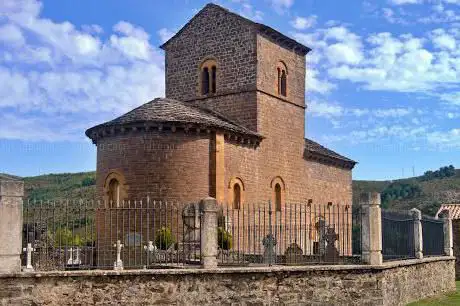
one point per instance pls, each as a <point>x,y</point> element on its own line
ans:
<point>208,77</point>
<point>114,193</point>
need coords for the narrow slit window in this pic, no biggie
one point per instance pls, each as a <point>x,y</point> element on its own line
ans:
<point>283,83</point>
<point>278,197</point>
<point>236,196</point>
<point>213,79</point>
<point>205,81</point>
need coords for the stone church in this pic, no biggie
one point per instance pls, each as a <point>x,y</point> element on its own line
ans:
<point>232,124</point>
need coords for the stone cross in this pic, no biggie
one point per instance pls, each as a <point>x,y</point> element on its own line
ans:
<point>29,249</point>
<point>118,264</point>
<point>77,260</point>
<point>70,261</point>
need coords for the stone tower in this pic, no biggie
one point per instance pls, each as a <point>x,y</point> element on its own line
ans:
<point>246,57</point>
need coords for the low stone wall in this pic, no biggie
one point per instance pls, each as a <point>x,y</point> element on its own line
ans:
<point>456,238</point>
<point>395,283</point>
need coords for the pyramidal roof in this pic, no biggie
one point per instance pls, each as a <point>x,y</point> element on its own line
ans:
<point>260,28</point>
<point>164,110</point>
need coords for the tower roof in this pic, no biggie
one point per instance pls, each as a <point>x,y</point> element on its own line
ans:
<point>279,37</point>
<point>169,111</point>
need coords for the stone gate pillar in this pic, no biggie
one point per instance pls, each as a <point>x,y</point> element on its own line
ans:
<point>418,234</point>
<point>448,237</point>
<point>208,209</point>
<point>11,193</point>
<point>371,232</point>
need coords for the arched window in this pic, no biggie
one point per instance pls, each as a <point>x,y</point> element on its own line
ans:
<point>278,197</point>
<point>282,79</point>
<point>115,189</point>
<point>208,79</point>
<point>279,188</point>
<point>114,193</point>
<point>236,193</point>
<point>236,196</point>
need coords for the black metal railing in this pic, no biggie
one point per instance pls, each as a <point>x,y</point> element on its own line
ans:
<point>397,235</point>
<point>433,236</point>
<point>84,235</point>
<point>294,234</point>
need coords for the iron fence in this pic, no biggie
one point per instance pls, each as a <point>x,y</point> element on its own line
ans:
<point>433,236</point>
<point>293,234</point>
<point>98,235</point>
<point>397,235</point>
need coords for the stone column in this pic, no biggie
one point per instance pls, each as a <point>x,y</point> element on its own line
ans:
<point>371,232</point>
<point>418,237</point>
<point>448,237</point>
<point>11,193</point>
<point>208,209</point>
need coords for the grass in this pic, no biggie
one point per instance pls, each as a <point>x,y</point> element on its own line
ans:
<point>449,299</point>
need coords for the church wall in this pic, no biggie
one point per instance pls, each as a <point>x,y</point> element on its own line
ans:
<point>217,34</point>
<point>240,107</point>
<point>269,56</point>
<point>171,166</point>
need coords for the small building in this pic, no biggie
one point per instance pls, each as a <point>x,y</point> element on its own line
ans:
<point>232,126</point>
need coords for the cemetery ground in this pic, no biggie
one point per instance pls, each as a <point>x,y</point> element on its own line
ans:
<point>450,299</point>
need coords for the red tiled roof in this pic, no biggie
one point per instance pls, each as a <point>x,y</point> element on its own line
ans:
<point>454,210</point>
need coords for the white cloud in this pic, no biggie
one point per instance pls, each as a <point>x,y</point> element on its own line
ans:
<point>281,5</point>
<point>11,34</point>
<point>302,23</point>
<point>64,79</point>
<point>451,98</point>
<point>442,40</point>
<point>402,2</point>
<point>324,109</point>
<point>445,139</point>
<point>343,53</point>
<point>165,34</point>
<point>314,84</point>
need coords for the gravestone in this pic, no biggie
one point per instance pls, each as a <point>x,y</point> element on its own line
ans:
<point>191,242</point>
<point>321,228</point>
<point>294,254</point>
<point>331,251</point>
<point>269,243</point>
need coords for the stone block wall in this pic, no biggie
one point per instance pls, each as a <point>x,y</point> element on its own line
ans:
<point>391,284</point>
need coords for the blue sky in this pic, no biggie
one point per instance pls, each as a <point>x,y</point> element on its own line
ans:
<point>383,79</point>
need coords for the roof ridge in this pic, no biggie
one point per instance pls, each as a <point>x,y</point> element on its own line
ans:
<point>259,26</point>
<point>327,152</point>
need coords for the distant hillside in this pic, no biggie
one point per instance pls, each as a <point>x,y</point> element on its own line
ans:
<point>425,192</point>
<point>61,186</point>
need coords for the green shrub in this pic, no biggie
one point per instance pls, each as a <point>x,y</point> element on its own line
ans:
<point>64,237</point>
<point>224,239</point>
<point>164,238</point>
<point>88,181</point>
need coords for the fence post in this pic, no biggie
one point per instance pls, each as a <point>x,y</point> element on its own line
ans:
<point>448,237</point>
<point>208,209</point>
<point>418,234</point>
<point>371,233</point>
<point>11,193</point>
